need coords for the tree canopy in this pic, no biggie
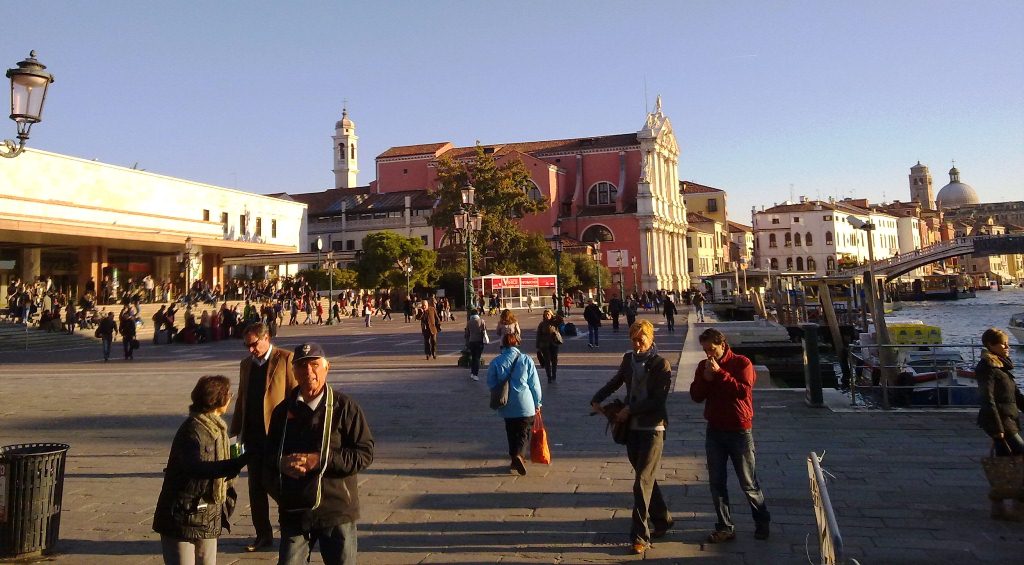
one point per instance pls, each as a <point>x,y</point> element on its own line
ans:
<point>381,263</point>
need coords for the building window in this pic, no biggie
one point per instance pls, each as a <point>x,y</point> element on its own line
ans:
<point>273,228</point>
<point>341,150</point>
<point>811,266</point>
<point>352,151</point>
<point>423,238</point>
<point>337,245</point>
<point>808,240</point>
<point>799,263</point>
<point>789,263</point>
<point>774,264</point>
<point>259,227</point>
<point>796,219</point>
<point>206,215</point>
<point>602,194</point>
<point>241,224</point>
<point>789,239</point>
<point>689,265</point>
<point>712,204</point>
<point>350,245</point>
<point>224,221</point>
<point>830,264</point>
<point>828,238</point>
<point>689,244</point>
<point>796,239</point>
<point>775,220</point>
<point>533,192</point>
<point>827,218</point>
<point>771,240</point>
<point>596,233</point>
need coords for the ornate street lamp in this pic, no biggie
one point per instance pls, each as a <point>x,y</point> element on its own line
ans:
<point>29,83</point>
<point>406,266</point>
<point>330,286</point>
<point>319,265</point>
<point>632,263</point>
<point>556,237</point>
<point>618,261</point>
<point>597,257</point>
<point>467,222</point>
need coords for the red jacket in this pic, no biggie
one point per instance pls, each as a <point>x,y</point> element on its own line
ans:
<point>729,406</point>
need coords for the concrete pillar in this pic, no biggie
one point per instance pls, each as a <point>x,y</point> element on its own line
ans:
<point>88,267</point>
<point>31,262</point>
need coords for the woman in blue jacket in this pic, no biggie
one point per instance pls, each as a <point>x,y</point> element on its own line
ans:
<point>524,397</point>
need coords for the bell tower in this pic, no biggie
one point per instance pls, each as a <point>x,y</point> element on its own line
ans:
<point>921,190</point>
<point>346,152</point>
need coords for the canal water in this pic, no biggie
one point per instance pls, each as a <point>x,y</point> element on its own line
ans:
<point>963,321</point>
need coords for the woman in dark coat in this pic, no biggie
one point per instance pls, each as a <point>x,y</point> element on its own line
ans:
<point>126,327</point>
<point>197,498</point>
<point>1001,401</point>
<point>548,341</point>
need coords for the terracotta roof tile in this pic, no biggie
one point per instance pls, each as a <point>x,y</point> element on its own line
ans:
<point>738,227</point>
<point>690,187</point>
<point>329,200</point>
<point>695,218</point>
<point>410,150</point>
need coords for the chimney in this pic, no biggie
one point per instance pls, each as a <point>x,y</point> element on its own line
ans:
<point>803,199</point>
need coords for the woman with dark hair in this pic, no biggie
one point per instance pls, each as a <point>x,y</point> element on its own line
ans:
<point>1001,402</point>
<point>524,397</point>
<point>549,338</point>
<point>197,498</point>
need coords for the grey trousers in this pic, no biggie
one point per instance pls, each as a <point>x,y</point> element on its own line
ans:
<point>184,552</point>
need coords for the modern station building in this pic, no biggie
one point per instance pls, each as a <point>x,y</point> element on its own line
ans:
<point>73,220</point>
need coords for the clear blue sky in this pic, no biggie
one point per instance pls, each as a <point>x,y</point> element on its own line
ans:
<point>833,98</point>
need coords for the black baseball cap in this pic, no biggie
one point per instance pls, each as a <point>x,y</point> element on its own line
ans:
<point>308,351</point>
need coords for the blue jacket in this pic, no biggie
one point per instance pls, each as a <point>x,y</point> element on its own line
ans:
<point>524,395</point>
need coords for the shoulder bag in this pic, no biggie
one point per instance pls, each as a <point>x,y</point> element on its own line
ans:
<point>499,394</point>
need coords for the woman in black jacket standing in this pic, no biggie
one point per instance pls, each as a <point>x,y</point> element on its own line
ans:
<point>1000,402</point>
<point>197,498</point>
<point>549,339</point>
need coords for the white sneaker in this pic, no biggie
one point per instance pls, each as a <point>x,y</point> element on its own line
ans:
<point>474,377</point>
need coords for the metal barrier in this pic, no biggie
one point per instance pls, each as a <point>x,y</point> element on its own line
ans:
<point>829,539</point>
<point>924,376</point>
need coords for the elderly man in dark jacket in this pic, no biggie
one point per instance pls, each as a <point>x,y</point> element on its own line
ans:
<point>322,440</point>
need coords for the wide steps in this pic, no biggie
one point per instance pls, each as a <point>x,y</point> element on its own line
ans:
<point>13,337</point>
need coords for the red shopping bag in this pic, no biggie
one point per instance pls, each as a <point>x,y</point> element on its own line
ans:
<point>539,452</point>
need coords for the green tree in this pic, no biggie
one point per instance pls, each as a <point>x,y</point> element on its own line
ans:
<point>379,265</point>
<point>585,268</point>
<point>501,195</point>
<point>343,278</point>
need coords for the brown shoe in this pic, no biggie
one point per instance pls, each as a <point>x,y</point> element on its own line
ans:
<point>721,536</point>
<point>639,547</point>
<point>519,465</point>
<point>259,543</point>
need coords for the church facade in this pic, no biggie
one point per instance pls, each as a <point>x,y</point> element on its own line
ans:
<point>621,190</point>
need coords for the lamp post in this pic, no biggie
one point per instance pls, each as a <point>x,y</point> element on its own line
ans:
<point>29,83</point>
<point>188,266</point>
<point>330,286</point>
<point>406,266</point>
<point>556,238</point>
<point>319,265</point>
<point>467,222</point>
<point>632,263</point>
<point>885,357</point>
<point>618,263</point>
<point>597,257</point>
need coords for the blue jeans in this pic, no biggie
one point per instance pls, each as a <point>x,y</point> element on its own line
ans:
<point>592,334</point>
<point>644,448</point>
<point>738,446</point>
<point>699,309</point>
<point>106,348</point>
<point>337,544</point>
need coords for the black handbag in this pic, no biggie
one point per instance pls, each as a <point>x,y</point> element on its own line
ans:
<point>619,430</point>
<point>499,394</point>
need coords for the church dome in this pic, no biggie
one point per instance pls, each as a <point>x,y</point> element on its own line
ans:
<point>344,122</point>
<point>956,193</point>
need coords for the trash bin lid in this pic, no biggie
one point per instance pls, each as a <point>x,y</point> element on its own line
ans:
<point>28,449</point>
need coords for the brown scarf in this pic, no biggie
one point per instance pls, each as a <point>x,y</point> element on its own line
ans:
<point>216,427</point>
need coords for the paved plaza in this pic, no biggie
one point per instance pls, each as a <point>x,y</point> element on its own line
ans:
<point>907,487</point>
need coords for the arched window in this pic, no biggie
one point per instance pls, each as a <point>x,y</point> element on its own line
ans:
<point>807,240</point>
<point>353,151</point>
<point>597,233</point>
<point>602,194</point>
<point>811,265</point>
<point>533,192</point>
<point>828,238</point>
<point>799,263</point>
<point>775,264</point>
<point>341,148</point>
<point>830,264</point>
<point>789,239</point>
<point>789,263</point>
<point>796,239</point>
<point>771,240</point>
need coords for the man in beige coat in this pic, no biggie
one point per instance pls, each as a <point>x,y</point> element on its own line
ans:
<point>265,378</point>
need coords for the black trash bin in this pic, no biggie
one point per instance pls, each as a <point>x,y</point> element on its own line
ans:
<point>31,489</point>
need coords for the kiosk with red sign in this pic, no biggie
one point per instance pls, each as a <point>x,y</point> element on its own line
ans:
<point>514,289</point>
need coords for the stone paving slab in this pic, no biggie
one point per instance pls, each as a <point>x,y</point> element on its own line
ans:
<point>907,487</point>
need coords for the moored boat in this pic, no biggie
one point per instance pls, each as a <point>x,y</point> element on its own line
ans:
<point>1016,327</point>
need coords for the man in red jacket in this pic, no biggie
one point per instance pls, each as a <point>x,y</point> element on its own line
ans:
<point>724,382</point>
